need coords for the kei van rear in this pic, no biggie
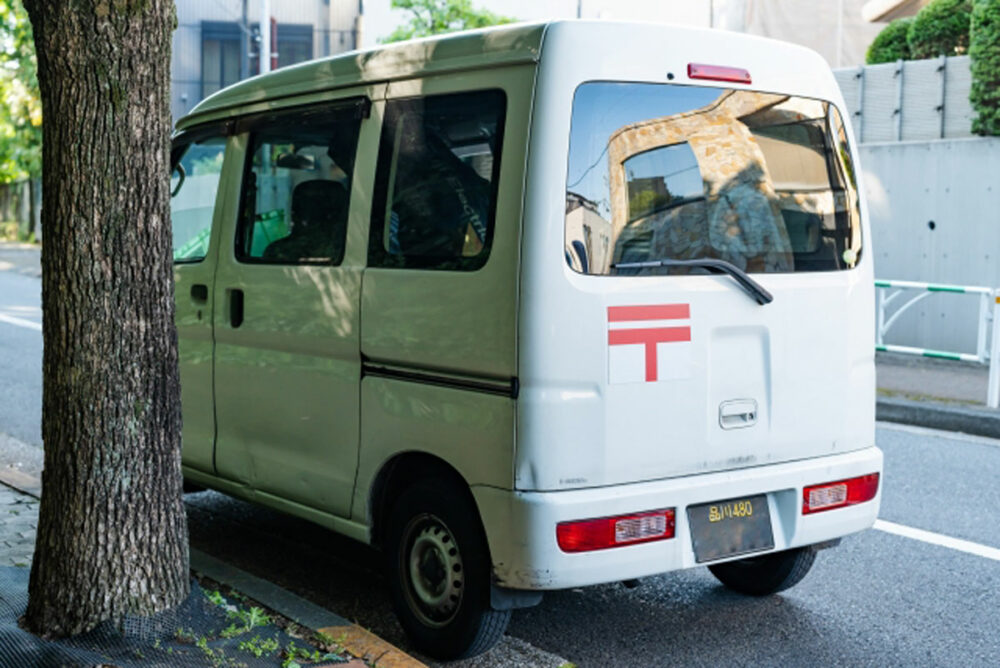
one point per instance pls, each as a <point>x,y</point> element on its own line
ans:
<point>534,307</point>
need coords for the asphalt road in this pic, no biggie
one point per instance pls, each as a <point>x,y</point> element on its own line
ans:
<point>879,599</point>
<point>20,358</point>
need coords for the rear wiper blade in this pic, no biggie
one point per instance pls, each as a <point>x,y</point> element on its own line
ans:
<point>752,287</point>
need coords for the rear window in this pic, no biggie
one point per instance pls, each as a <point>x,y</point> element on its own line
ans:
<point>764,181</point>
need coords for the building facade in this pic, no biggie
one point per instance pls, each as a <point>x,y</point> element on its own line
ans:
<point>217,42</point>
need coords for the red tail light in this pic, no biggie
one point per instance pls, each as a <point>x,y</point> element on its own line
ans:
<point>718,73</point>
<point>838,494</point>
<point>605,532</point>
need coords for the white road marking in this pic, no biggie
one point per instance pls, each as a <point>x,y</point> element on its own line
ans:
<point>938,433</point>
<point>938,539</point>
<point>21,322</point>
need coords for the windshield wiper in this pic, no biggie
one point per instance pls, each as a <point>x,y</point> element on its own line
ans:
<point>750,286</point>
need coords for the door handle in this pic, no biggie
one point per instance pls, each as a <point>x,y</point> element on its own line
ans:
<point>737,413</point>
<point>199,294</point>
<point>235,307</point>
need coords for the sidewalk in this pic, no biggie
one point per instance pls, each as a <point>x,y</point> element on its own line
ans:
<point>339,641</point>
<point>940,394</point>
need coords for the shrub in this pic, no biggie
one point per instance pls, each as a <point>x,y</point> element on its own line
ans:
<point>984,50</point>
<point>940,29</point>
<point>890,45</point>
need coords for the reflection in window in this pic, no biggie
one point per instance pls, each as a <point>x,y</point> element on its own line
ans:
<point>761,180</point>
<point>193,185</point>
<point>661,178</point>
<point>437,175</point>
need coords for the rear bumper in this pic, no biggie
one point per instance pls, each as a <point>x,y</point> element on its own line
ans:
<point>521,526</point>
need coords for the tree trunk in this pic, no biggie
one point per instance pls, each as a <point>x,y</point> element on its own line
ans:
<point>112,535</point>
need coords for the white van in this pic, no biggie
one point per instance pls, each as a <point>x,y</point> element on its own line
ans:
<point>534,307</point>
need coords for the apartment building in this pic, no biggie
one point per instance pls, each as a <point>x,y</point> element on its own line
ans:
<point>217,41</point>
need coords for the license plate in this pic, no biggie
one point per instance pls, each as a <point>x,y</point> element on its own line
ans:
<point>727,528</point>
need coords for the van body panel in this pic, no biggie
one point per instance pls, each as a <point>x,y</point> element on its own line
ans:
<point>522,532</point>
<point>472,431</point>
<point>469,50</point>
<point>341,525</point>
<point>805,360</point>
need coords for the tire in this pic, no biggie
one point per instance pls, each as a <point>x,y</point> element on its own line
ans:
<point>766,574</point>
<point>433,532</point>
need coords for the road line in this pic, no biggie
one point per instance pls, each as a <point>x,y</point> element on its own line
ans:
<point>21,322</point>
<point>938,539</point>
<point>938,433</point>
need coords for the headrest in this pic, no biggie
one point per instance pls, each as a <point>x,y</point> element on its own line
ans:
<point>318,201</point>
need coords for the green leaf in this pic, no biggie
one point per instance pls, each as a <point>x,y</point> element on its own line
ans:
<point>434,17</point>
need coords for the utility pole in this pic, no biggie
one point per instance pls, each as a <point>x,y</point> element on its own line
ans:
<point>245,42</point>
<point>359,23</point>
<point>265,36</point>
<point>840,32</point>
<point>579,9</point>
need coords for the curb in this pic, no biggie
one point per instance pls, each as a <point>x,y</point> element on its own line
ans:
<point>359,642</point>
<point>978,421</point>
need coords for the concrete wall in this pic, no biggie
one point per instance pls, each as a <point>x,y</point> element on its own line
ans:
<point>953,184</point>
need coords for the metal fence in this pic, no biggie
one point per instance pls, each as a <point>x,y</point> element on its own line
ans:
<point>987,337</point>
<point>21,203</point>
<point>909,100</point>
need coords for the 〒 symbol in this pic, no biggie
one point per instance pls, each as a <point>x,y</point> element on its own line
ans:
<point>649,337</point>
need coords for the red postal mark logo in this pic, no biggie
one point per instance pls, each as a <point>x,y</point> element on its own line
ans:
<point>633,326</point>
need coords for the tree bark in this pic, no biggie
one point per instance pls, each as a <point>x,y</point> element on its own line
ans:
<point>112,534</point>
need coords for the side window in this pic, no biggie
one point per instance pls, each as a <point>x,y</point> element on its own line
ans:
<point>194,182</point>
<point>436,183</point>
<point>296,191</point>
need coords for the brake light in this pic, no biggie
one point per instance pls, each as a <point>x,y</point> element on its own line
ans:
<point>839,494</point>
<point>605,532</point>
<point>718,73</point>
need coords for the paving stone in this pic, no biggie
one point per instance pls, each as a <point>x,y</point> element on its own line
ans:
<point>18,527</point>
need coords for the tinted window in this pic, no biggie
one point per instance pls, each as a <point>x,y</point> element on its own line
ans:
<point>659,171</point>
<point>439,161</point>
<point>193,186</point>
<point>296,191</point>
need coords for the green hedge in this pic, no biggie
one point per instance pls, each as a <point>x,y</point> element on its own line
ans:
<point>940,29</point>
<point>985,55</point>
<point>890,45</point>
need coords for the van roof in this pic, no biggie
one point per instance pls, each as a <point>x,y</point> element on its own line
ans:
<point>508,45</point>
<point>502,45</point>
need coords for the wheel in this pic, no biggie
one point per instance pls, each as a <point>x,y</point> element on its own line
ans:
<point>766,574</point>
<point>439,570</point>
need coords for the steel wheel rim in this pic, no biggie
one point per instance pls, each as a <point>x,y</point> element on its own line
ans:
<point>432,565</point>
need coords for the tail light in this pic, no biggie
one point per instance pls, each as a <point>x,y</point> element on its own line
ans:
<point>838,494</point>
<point>605,532</point>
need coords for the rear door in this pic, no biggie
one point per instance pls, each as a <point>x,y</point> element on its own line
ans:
<point>287,363</point>
<point>694,373</point>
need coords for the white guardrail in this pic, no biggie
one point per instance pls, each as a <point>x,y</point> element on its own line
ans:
<point>987,347</point>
